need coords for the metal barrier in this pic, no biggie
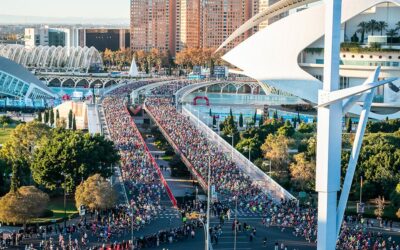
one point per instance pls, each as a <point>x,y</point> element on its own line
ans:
<point>261,179</point>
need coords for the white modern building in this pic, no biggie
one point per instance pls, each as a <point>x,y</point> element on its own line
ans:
<point>51,36</point>
<point>290,58</point>
<point>17,82</point>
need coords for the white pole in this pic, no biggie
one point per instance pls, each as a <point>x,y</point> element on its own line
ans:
<point>329,133</point>
<point>208,203</point>
<point>234,246</point>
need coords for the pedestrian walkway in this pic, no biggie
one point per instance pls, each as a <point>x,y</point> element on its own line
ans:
<point>94,123</point>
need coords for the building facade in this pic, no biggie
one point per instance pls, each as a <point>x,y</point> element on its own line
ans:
<point>46,36</point>
<point>151,25</point>
<point>105,38</point>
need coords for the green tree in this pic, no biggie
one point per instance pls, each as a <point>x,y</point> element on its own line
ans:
<point>381,26</point>
<point>40,118</point>
<point>302,173</point>
<point>287,130</point>
<point>74,156</point>
<point>372,26</point>
<point>73,123</point>
<point>306,128</point>
<point>363,28</point>
<point>19,149</point>
<point>261,121</point>
<point>229,129</point>
<point>349,125</point>
<point>5,125</point>
<point>395,196</point>
<point>250,145</point>
<point>70,116</point>
<point>214,121</point>
<point>392,33</point>
<point>22,205</point>
<point>95,193</point>
<point>276,149</point>
<point>255,117</point>
<point>210,113</point>
<point>51,117</point>
<point>46,116</point>
<point>241,120</point>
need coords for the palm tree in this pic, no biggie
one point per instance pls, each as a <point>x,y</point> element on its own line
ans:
<point>363,27</point>
<point>391,34</point>
<point>372,26</point>
<point>381,26</point>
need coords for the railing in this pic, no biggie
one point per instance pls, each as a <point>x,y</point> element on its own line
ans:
<point>194,172</point>
<point>265,182</point>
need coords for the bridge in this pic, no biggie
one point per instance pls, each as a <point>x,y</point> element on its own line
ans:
<point>262,180</point>
<point>70,81</point>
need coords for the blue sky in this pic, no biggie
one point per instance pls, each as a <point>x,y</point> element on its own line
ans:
<point>66,8</point>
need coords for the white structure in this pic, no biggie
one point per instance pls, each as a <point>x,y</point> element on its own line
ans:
<point>45,36</point>
<point>271,57</point>
<point>55,59</point>
<point>270,54</point>
<point>17,82</point>
<point>133,71</point>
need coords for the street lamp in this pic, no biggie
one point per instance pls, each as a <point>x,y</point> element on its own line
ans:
<point>236,203</point>
<point>65,200</point>
<point>208,203</point>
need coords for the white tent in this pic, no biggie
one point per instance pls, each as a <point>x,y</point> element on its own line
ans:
<point>133,71</point>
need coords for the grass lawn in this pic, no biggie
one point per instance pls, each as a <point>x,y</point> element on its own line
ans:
<point>56,205</point>
<point>5,133</point>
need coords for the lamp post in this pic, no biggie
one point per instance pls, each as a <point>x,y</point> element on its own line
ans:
<point>65,200</point>
<point>236,202</point>
<point>208,203</point>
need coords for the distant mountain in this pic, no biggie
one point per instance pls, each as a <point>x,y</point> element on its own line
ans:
<point>9,19</point>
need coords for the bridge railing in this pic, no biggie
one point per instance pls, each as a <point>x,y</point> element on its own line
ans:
<point>261,179</point>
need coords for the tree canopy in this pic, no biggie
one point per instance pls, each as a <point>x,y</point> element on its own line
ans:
<point>26,203</point>
<point>74,156</point>
<point>95,193</point>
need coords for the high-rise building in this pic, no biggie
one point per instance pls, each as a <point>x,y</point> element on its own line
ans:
<point>150,25</point>
<point>188,23</point>
<point>177,24</point>
<point>220,18</point>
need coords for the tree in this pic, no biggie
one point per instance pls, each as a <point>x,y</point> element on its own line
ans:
<point>70,116</point>
<point>381,26</point>
<point>255,117</point>
<point>363,28</point>
<point>372,26</point>
<point>74,123</point>
<point>95,193</point>
<point>5,125</point>
<point>46,116</point>
<point>302,172</point>
<point>57,115</point>
<point>40,118</point>
<point>306,128</point>
<point>395,197</point>
<point>261,121</point>
<point>74,156</point>
<point>19,149</point>
<point>276,149</point>
<point>380,208</point>
<point>287,130</point>
<point>349,125</point>
<point>241,120</point>
<point>22,205</point>
<point>51,117</point>
<point>391,34</point>
<point>354,38</point>
<point>250,145</point>
<point>398,25</point>
<point>210,113</point>
<point>214,121</point>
